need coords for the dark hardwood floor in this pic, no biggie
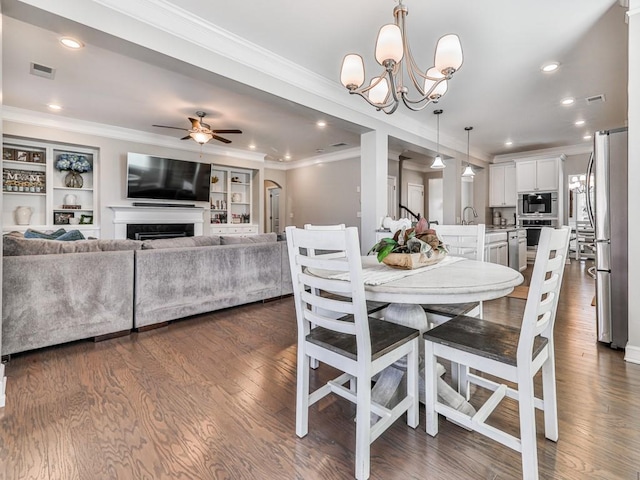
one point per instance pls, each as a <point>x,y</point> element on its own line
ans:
<point>213,397</point>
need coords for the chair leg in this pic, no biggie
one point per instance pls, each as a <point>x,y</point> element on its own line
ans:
<point>549,397</point>
<point>413,414</point>
<point>430,386</point>
<point>463,382</point>
<point>363,427</point>
<point>302,393</point>
<point>527,427</point>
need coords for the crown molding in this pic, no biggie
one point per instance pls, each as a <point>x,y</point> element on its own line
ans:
<point>47,120</point>
<point>555,151</point>
<point>339,156</point>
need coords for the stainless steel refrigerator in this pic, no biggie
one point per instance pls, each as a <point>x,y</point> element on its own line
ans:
<point>608,215</point>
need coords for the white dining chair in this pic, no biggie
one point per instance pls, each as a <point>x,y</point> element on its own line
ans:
<point>512,354</point>
<point>462,241</point>
<point>346,338</point>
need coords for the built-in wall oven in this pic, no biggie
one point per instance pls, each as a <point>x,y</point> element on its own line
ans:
<point>534,228</point>
<point>538,204</point>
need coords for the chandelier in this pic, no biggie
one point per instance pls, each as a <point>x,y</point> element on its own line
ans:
<point>385,91</point>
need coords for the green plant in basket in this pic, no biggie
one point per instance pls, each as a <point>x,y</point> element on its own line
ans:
<point>419,239</point>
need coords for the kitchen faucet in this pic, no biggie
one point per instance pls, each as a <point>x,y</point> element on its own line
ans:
<point>475,215</point>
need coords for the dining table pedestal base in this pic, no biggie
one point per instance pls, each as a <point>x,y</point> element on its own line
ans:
<point>392,380</point>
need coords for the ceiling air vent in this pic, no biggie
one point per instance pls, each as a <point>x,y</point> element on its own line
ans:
<point>340,144</point>
<point>595,99</point>
<point>42,71</point>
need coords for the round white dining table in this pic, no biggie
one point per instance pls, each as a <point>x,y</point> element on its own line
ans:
<point>461,281</point>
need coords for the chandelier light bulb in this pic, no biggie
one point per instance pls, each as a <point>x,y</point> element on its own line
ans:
<point>448,54</point>
<point>379,93</point>
<point>352,73</point>
<point>389,44</point>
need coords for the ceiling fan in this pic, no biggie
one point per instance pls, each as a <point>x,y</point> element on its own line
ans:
<point>201,132</point>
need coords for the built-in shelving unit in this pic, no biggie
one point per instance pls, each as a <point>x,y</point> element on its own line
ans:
<point>30,179</point>
<point>231,201</point>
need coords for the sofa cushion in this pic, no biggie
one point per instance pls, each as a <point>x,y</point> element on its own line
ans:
<point>118,245</point>
<point>259,238</point>
<point>181,242</point>
<point>15,246</point>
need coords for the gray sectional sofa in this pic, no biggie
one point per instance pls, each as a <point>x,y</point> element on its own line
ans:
<point>55,292</point>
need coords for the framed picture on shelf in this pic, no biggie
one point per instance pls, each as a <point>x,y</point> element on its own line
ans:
<point>62,218</point>
<point>22,156</point>
<point>37,157</point>
<point>86,219</point>
<point>8,154</point>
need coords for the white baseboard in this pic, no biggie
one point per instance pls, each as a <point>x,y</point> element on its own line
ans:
<point>632,354</point>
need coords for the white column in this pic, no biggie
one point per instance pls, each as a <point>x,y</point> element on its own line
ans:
<point>3,379</point>
<point>632,351</point>
<point>374,148</point>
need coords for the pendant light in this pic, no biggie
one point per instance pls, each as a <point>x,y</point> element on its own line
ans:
<point>437,162</point>
<point>468,173</point>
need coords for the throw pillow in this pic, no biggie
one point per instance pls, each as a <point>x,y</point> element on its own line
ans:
<point>70,236</point>
<point>48,236</point>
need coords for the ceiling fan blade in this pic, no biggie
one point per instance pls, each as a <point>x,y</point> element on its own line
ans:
<point>227,131</point>
<point>175,128</point>
<point>223,140</point>
<point>195,124</point>
<point>188,137</point>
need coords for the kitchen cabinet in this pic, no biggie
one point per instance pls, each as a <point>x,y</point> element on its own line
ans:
<point>539,174</point>
<point>502,185</point>
<point>34,187</point>
<point>496,248</point>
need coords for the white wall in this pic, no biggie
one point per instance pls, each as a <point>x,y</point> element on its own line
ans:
<point>113,164</point>
<point>324,194</point>
<point>632,352</point>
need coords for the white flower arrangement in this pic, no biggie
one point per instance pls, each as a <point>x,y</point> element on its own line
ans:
<point>73,162</point>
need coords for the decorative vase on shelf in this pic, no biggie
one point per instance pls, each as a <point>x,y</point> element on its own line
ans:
<point>73,180</point>
<point>23,215</point>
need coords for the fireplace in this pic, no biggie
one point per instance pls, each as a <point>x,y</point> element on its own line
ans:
<point>149,231</point>
<point>161,221</point>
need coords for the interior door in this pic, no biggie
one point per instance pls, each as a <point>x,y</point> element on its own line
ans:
<point>274,209</point>
<point>415,198</point>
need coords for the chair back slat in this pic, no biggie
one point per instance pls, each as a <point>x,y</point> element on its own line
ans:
<point>463,240</point>
<point>544,290</point>
<point>312,304</point>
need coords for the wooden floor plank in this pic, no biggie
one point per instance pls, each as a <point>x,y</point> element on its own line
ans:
<point>213,397</point>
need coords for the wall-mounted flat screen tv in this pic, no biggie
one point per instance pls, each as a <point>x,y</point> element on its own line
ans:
<point>161,178</point>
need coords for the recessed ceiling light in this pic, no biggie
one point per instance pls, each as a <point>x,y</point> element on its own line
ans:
<point>287,157</point>
<point>567,101</point>
<point>579,123</point>
<point>587,137</point>
<point>252,147</point>
<point>71,42</point>
<point>550,67</point>
<point>55,107</point>
<point>508,143</point>
<point>280,160</point>
<point>321,123</point>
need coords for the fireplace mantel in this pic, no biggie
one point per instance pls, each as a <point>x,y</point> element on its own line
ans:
<point>126,214</point>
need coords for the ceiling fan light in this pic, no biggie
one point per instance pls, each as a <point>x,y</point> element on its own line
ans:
<point>352,72</point>
<point>438,164</point>
<point>201,137</point>
<point>389,44</point>
<point>448,53</point>
<point>380,92</point>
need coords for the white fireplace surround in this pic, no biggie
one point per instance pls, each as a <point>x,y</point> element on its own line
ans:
<point>126,214</point>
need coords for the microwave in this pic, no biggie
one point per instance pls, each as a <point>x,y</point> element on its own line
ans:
<point>538,204</point>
